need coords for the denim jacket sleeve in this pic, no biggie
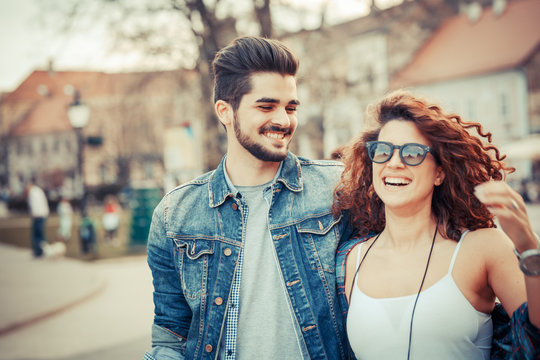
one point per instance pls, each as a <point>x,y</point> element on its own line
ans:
<point>514,338</point>
<point>172,315</point>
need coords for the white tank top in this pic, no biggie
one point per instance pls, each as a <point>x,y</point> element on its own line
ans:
<point>446,325</point>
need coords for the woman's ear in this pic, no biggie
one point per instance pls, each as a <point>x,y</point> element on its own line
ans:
<point>224,112</point>
<point>439,177</point>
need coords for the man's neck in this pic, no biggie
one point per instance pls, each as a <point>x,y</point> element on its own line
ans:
<point>250,172</point>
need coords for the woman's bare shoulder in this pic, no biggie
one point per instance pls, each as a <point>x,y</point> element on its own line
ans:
<point>489,241</point>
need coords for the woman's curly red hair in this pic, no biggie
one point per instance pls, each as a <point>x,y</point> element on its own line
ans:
<point>466,159</point>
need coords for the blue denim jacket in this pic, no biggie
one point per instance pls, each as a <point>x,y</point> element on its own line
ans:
<point>193,247</point>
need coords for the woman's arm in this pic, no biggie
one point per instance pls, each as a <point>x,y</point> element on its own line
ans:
<point>504,274</point>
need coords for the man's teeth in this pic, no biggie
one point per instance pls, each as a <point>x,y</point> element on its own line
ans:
<point>274,135</point>
<point>396,181</point>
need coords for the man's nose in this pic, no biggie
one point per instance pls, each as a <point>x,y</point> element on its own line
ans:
<point>281,118</point>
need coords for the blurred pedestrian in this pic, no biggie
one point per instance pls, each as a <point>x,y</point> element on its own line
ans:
<point>111,218</point>
<point>39,211</point>
<point>65,215</point>
<point>4,201</point>
<point>88,235</point>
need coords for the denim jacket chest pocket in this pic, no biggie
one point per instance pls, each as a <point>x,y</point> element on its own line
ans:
<point>194,258</point>
<point>320,238</point>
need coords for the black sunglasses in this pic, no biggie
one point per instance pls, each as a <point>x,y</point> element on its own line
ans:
<point>411,154</point>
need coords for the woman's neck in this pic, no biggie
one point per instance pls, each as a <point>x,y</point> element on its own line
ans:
<point>407,232</point>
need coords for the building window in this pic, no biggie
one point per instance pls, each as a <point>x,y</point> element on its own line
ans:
<point>504,108</point>
<point>148,169</point>
<point>103,173</point>
<point>504,105</point>
<point>471,109</point>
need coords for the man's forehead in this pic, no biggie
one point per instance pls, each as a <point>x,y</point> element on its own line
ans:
<point>272,87</point>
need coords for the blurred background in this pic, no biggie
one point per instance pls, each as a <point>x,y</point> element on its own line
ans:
<point>106,105</point>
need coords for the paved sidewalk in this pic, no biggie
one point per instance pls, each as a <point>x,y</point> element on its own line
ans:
<point>35,289</point>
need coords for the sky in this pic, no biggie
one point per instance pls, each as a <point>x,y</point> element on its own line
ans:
<point>29,45</point>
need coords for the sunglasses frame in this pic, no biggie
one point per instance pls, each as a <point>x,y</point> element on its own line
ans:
<point>371,144</point>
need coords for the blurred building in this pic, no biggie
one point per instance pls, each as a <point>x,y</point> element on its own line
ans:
<point>478,58</point>
<point>350,65</point>
<point>485,65</point>
<point>123,140</point>
<point>481,59</point>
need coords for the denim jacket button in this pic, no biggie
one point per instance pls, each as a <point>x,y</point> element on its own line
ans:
<point>208,348</point>
<point>218,301</point>
<point>234,206</point>
<point>227,252</point>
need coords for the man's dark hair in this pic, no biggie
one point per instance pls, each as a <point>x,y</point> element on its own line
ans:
<point>234,64</point>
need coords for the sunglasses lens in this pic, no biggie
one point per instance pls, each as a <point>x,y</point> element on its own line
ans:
<point>413,154</point>
<point>381,152</point>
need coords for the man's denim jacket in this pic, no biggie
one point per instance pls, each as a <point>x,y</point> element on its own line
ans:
<point>194,244</point>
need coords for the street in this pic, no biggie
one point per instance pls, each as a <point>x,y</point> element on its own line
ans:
<point>115,324</point>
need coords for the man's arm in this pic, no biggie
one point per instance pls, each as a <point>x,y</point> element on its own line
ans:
<point>172,315</point>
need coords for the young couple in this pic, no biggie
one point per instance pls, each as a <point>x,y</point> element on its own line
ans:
<point>244,257</point>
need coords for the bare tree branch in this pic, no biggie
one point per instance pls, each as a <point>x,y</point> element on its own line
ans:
<point>264,16</point>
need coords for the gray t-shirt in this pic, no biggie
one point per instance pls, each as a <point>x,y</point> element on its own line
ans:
<point>265,326</point>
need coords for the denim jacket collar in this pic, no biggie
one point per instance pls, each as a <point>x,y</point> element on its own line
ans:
<point>291,174</point>
<point>291,177</point>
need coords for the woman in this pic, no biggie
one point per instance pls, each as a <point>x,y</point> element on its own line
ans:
<point>423,275</point>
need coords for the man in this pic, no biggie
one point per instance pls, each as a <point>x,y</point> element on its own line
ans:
<point>39,210</point>
<point>243,257</point>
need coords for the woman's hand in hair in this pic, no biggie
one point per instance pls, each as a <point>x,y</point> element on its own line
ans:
<point>509,208</point>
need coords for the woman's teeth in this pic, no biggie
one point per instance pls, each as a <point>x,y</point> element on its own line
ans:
<point>396,181</point>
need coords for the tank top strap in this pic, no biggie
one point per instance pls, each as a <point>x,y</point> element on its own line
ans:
<point>456,251</point>
<point>357,263</point>
<point>358,255</point>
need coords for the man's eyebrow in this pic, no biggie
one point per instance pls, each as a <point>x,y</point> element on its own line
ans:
<point>267,100</point>
<point>276,101</point>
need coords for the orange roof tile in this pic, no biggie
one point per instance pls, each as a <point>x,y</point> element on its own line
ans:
<point>88,83</point>
<point>48,109</point>
<point>461,48</point>
<point>47,116</point>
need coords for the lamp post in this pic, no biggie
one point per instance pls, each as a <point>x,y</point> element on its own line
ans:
<point>79,114</point>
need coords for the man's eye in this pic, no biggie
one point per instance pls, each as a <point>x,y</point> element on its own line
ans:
<point>262,107</point>
<point>291,109</point>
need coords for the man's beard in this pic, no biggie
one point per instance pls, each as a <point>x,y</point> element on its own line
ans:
<point>258,150</point>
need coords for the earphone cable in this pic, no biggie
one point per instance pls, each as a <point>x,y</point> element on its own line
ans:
<point>420,290</point>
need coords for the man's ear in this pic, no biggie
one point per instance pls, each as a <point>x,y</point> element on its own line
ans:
<point>224,112</point>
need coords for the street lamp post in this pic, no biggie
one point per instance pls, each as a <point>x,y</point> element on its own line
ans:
<point>79,114</point>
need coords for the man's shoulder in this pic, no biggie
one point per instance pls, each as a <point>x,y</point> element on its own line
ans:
<point>198,183</point>
<point>326,170</point>
<point>188,195</point>
<point>323,164</point>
